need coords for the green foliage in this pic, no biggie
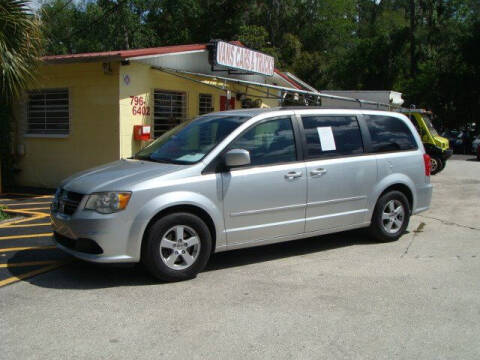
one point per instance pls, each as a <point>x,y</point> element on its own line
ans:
<point>20,41</point>
<point>427,49</point>
<point>254,36</point>
<point>3,215</point>
<point>20,47</point>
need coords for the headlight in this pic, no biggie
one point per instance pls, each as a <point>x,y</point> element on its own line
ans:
<point>108,202</point>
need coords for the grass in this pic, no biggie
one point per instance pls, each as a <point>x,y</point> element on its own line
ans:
<point>3,214</point>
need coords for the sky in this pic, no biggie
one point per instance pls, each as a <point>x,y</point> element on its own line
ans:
<point>35,4</point>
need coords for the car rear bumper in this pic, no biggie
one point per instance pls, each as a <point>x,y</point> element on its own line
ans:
<point>424,198</point>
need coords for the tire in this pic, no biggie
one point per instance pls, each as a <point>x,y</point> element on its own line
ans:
<point>378,229</point>
<point>436,165</point>
<point>444,163</point>
<point>170,251</point>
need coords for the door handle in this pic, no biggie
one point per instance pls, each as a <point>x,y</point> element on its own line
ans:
<point>293,174</point>
<point>318,172</point>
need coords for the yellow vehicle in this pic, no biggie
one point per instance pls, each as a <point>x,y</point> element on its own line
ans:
<point>435,145</point>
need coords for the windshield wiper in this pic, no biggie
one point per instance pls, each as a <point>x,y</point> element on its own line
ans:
<point>169,161</point>
<point>161,160</point>
<point>143,158</point>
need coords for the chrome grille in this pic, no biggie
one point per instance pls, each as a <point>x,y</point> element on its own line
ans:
<point>66,202</point>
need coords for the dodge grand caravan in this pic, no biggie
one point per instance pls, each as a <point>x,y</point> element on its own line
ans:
<point>243,178</point>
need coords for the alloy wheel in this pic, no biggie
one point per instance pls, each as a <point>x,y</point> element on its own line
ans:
<point>393,216</point>
<point>180,247</point>
<point>433,164</point>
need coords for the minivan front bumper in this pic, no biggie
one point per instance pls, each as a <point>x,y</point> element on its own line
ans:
<point>94,237</point>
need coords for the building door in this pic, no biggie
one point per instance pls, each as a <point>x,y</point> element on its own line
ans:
<point>169,110</point>
<point>223,103</point>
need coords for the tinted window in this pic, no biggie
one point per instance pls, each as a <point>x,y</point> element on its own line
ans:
<point>389,134</point>
<point>347,139</point>
<point>270,142</point>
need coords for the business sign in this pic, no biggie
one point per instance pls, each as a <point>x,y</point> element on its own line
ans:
<point>241,58</point>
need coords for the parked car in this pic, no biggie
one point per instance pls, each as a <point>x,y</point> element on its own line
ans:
<point>455,138</point>
<point>244,178</point>
<point>475,144</point>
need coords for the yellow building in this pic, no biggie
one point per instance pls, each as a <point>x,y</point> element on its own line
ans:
<point>82,109</point>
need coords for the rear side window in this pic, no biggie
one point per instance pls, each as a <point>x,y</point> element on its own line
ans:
<point>389,134</point>
<point>329,136</point>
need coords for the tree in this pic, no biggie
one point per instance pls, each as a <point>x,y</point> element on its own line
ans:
<point>20,46</point>
<point>426,49</point>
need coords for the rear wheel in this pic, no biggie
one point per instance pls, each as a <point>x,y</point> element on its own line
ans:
<point>390,217</point>
<point>177,247</point>
<point>436,164</point>
<point>444,163</point>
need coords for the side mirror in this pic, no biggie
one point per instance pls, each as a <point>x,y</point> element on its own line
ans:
<point>237,157</point>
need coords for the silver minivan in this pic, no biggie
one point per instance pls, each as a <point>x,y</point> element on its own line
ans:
<point>243,178</point>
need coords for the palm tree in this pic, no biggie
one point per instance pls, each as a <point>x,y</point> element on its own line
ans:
<point>20,47</point>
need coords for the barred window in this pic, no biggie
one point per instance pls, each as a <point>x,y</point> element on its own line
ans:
<point>205,104</point>
<point>169,110</point>
<point>48,112</point>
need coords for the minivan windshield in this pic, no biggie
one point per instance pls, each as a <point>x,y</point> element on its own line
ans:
<point>190,141</point>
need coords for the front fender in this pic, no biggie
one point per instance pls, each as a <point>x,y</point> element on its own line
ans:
<point>168,200</point>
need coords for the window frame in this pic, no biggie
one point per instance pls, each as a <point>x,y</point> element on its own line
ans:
<point>363,135</point>
<point>217,166</point>
<point>27,134</point>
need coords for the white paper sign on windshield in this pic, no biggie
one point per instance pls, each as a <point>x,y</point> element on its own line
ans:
<point>327,142</point>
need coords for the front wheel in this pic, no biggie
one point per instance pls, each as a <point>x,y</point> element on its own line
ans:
<point>177,247</point>
<point>436,165</point>
<point>390,217</point>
